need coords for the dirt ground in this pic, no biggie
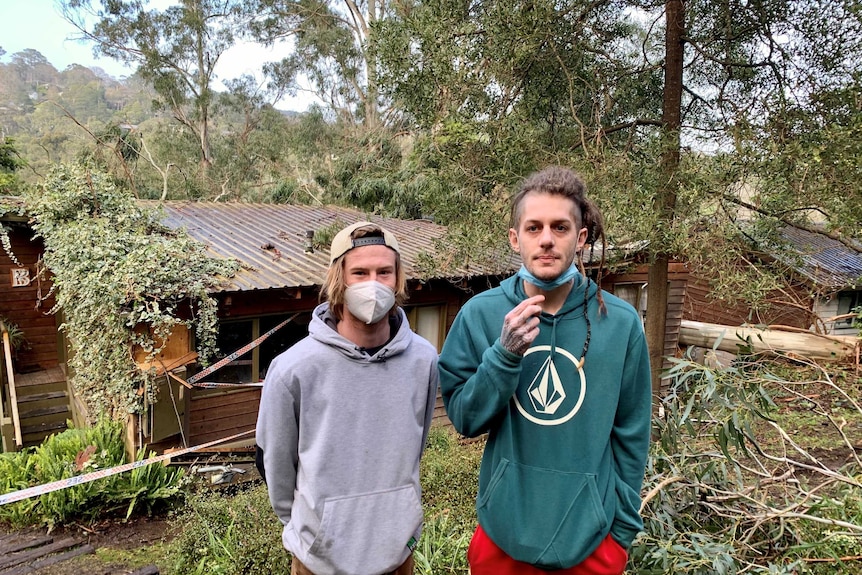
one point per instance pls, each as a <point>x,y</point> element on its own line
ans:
<point>120,534</point>
<point>121,546</point>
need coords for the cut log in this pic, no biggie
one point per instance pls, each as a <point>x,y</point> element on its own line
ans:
<point>735,338</point>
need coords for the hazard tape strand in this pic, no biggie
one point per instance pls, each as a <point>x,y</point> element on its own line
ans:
<point>102,473</point>
<point>238,353</point>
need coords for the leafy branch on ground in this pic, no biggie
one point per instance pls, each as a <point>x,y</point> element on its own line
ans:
<point>755,470</point>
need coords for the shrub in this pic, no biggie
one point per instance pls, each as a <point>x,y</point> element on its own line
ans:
<point>226,535</point>
<point>449,478</point>
<point>75,452</point>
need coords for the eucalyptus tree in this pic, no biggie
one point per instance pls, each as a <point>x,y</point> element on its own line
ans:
<point>496,89</point>
<point>176,49</point>
<point>667,106</point>
<point>737,76</point>
<point>332,50</point>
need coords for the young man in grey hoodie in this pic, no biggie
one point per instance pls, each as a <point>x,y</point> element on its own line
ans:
<point>344,417</point>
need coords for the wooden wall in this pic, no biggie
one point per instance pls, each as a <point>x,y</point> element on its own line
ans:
<point>786,307</point>
<point>217,414</point>
<point>678,279</point>
<point>21,305</point>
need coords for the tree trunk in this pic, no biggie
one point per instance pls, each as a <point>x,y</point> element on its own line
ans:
<point>372,113</point>
<point>665,200</point>
<point>734,339</point>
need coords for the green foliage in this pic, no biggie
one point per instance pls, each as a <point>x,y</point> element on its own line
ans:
<point>123,283</point>
<point>17,340</point>
<point>728,488</point>
<point>449,472</point>
<point>75,452</point>
<point>16,471</point>
<point>443,546</point>
<point>238,534</point>
<point>449,477</point>
<point>10,162</point>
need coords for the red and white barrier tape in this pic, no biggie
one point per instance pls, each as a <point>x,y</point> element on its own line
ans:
<point>240,352</point>
<point>212,384</point>
<point>88,477</point>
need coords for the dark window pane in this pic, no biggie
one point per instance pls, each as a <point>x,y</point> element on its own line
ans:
<point>232,336</point>
<point>282,339</point>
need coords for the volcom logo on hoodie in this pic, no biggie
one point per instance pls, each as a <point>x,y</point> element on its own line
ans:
<point>550,398</point>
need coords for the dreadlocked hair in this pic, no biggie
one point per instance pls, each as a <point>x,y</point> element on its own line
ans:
<point>560,181</point>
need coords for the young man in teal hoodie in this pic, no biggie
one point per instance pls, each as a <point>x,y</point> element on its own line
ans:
<point>556,372</point>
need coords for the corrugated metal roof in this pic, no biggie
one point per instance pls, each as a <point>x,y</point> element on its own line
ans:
<point>241,230</point>
<point>823,260</point>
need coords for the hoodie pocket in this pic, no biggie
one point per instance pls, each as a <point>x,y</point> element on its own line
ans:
<point>540,516</point>
<point>368,533</point>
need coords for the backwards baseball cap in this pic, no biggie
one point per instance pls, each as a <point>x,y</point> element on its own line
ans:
<point>343,242</point>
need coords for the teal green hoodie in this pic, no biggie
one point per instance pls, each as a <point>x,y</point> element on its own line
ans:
<point>566,450</point>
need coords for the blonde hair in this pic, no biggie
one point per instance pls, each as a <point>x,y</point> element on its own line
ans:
<point>334,286</point>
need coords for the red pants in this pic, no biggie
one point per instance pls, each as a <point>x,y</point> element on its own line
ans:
<point>485,558</point>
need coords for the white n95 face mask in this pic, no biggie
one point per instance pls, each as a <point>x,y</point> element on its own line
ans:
<point>369,301</point>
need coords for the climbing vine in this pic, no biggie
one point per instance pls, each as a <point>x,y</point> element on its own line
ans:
<point>123,281</point>
<point>9,206</point>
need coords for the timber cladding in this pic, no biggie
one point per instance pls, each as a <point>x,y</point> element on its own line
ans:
<point>216,414</point>
<point>21,300</point>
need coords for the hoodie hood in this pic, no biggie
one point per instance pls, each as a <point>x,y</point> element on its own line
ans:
<point>323,329</point>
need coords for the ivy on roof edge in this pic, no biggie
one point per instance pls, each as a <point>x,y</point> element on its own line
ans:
<point>117,270</point>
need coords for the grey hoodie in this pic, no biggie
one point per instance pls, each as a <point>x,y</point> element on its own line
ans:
<point>341,435</point>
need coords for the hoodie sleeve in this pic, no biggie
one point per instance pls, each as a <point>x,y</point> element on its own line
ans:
<point>478,376</point>
<point>630,439</point>
<point>277,437</point>
<point>433,382</point>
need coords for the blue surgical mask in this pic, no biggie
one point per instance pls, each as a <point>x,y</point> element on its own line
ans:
<point>564,277</point>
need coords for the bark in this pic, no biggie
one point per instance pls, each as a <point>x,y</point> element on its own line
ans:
<point>734,339</point>
<point>665,201</point>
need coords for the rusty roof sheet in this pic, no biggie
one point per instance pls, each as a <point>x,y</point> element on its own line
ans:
<point>244,231</point>
<point>825,261</point>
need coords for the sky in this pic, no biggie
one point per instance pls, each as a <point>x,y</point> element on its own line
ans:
<point>37,24</point>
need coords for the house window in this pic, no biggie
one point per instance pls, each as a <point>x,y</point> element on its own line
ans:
<point>635,294</point>
<point>252,365</point>
<point>847,302</point>
<point>428,322</point>
<point>231,337</point>
<point>279,341</point>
